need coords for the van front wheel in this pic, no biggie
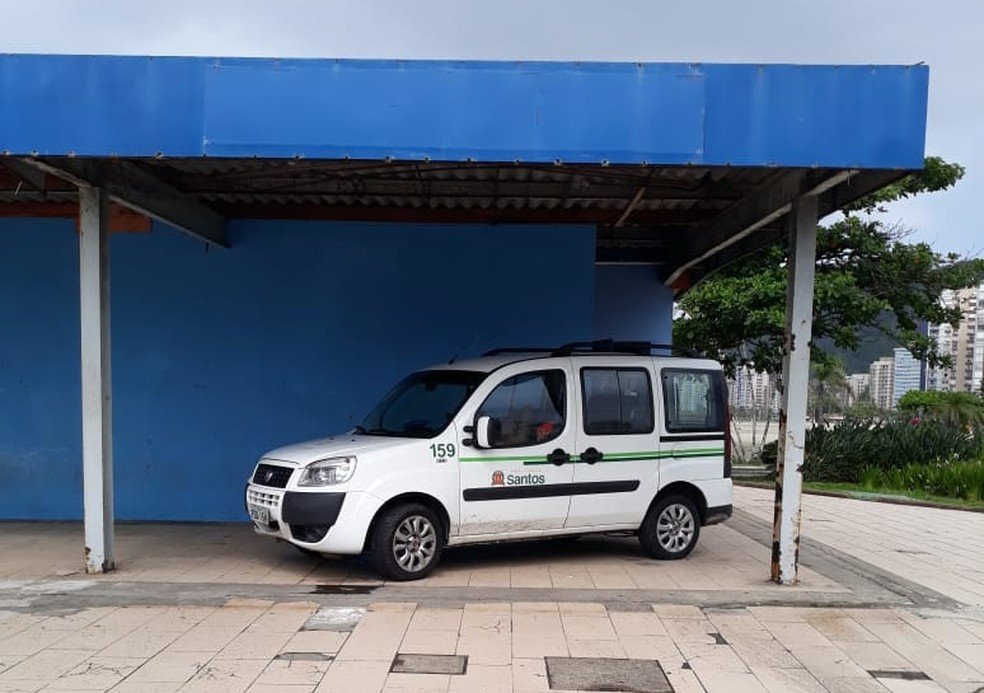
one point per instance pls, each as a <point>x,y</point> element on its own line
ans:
<point>671,528</point>
<point>407,542</point>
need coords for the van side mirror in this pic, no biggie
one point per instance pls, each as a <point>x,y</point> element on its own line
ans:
<point>483,425</point>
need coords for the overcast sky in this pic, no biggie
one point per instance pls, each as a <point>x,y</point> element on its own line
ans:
<point>946,34</point>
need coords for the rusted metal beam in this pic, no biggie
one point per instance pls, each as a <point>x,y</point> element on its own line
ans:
<point>757,211</point>
<point>121,219</point>
<point>35,178</point>
<point>133,187</point>
<point>629,208</point>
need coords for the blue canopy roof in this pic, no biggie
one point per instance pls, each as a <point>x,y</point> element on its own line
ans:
<point>857,117</point>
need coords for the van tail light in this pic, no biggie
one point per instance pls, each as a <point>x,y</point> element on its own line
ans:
<point>727,437</point>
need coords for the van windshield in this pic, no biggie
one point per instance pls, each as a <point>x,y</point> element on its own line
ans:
<point>422,404</point>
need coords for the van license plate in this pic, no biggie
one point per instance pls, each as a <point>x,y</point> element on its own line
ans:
<point>259,514</point>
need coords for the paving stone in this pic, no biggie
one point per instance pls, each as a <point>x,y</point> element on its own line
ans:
<point>334,618</point>
<point>602,674</point>
<point>429,664</point>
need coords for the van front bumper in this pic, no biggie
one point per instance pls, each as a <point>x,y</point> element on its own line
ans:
<point>322,521</point>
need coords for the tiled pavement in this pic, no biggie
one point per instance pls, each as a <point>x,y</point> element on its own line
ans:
<point>212,608</point>
<point>251,645</point>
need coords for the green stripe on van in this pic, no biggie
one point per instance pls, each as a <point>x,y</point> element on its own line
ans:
<point>613,457</point>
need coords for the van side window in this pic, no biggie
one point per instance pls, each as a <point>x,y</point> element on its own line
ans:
<point>527,409</point>
<point>617,401</point>
<point>694,400</point>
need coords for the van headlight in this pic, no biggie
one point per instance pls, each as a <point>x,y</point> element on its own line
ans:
<point>334,470</point>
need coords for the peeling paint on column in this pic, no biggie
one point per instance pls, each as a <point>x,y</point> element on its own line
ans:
<point>801,225</point>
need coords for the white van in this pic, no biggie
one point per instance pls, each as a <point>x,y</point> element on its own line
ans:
<point>518,444</point>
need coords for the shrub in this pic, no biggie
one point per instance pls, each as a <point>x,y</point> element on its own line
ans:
<point>769,454</point>
<point>954,480</point>
<point>964,409</point>
<point>840,452</point>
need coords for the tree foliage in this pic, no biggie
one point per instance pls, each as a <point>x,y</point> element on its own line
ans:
<point>963,409</point>
<point>866,270</point>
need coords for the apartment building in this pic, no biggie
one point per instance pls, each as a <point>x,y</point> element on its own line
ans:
<point>963,343</point>
<point>881,376</point>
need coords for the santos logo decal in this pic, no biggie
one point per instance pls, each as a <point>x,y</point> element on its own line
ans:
<point>500,479</point>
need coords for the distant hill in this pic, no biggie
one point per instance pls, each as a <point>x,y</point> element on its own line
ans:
<point>874,345</point>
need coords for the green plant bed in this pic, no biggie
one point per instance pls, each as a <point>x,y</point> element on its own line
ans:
<point>839,453</point>
<point>963,480</point>
<point>859,492</point>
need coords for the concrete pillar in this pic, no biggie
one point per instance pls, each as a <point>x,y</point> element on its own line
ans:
<point>802,224</point>
<point>97,424</point>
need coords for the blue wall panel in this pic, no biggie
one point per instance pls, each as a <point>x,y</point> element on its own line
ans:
<point>219,355</point>
<point>40,410</point>
<point>661,113</point>
<point>632,303</point>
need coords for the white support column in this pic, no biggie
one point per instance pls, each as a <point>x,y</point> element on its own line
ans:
<point>97,423</point>
<point>802,224</point>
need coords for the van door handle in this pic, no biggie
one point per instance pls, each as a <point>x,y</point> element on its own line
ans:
<point>558,457</point>
<point>591,456</point>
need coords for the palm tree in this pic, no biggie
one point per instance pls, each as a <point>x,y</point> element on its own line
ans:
<point>828,384</point>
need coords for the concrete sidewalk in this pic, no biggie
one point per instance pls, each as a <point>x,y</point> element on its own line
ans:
<point>725,559</point>
<point>215,608</point>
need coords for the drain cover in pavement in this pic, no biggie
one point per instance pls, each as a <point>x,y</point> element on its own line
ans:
<point>344,589</point>
<point>429,664</point>
<point>899,674</point>
<point>605,674</point>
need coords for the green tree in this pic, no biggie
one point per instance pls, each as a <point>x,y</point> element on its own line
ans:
<point>961,409</point>
<point>866,271</point>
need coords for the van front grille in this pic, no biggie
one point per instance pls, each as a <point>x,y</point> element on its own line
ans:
<point>271,475</point>
<point>269,500</point>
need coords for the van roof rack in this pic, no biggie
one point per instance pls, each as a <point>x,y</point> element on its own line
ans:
<point>604,346</point>
<point>519,350</point>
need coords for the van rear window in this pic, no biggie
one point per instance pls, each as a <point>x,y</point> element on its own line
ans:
<point>694,400</point>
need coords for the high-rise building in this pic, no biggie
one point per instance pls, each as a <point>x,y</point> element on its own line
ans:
<point>750,389</point>
<point>906,374</point>
<point>858,385</point>
<point>964,343</point>
<point>881,381</point>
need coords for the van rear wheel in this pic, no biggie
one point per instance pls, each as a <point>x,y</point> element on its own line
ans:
<point>671,528</point>
<point>407,542</point>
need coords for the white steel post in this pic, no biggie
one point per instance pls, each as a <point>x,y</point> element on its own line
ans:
<point>802,222</point>
<point>97,426</point>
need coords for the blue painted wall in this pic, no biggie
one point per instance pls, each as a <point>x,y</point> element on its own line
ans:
<point>632,303</point>
<point>219,355</point>
<point>40,409</point>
